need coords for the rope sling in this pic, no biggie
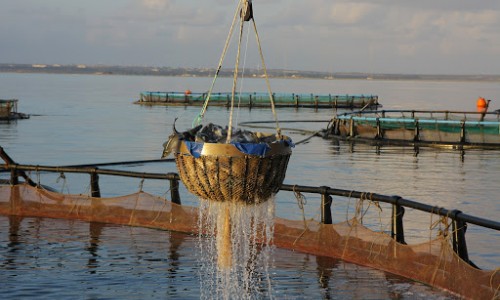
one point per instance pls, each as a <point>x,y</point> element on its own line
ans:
<point>245,11</point>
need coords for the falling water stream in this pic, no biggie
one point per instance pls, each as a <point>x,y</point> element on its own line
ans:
<point>236,259</point>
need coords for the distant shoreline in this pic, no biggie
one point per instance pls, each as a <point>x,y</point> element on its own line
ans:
<point>209,72</point>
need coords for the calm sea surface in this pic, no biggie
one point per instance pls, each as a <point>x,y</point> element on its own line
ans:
<point>82,119</point>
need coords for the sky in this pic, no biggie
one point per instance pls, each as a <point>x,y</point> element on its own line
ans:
<point>377,36</point>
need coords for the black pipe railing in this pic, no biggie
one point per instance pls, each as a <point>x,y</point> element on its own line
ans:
<point>459,219</point>
<point>94,178</point>
<point>395,200</point>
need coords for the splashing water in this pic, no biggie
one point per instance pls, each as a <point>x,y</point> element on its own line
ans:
<point>234,249</point>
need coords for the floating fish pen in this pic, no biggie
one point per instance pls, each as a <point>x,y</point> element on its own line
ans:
<point>457,129</point>
<point>8,110</point>
<point>260,99</point>
<point>443,261</point>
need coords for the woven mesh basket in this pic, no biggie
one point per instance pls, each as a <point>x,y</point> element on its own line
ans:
<point>223,173</point>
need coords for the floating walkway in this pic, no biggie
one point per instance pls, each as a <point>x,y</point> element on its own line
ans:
<point>419,128</point>
<point>260,99</point>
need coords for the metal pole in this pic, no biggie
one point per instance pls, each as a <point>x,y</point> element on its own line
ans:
<point>416,136</point>
<point>94,185</point>
<point>459,243</point>
<point>462,133</point>
<point>326,204</point>
<point>397,229</point>
<point>14,179</point>
<point>174,191</point>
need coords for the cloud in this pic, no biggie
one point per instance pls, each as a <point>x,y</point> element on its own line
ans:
<point>345,35</point>
<point>343,13</point>
<point>392,36</point>
<point>160,5</point>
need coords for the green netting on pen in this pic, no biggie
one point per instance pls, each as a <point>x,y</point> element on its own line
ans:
<point>261,98</point>
<point>453,126</point>
<point>471,129</point>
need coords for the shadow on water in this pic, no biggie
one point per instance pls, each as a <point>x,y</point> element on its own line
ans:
<point>14,240</point>
<point>95,230</point>
<point>325,274</point>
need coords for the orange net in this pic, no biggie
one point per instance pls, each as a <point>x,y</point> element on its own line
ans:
<point>433,262</point>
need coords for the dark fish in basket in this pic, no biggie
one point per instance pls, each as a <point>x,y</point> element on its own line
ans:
<point>172,144</point>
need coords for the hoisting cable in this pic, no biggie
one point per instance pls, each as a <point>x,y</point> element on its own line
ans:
<point>235,75</point>
<point>271,98</point>
<point>199,118</point>
<point>242,75</point>
<point>245,11</point>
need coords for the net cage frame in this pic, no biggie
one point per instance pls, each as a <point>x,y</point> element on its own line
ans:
<point>260,99</point>
<point>461,129</point>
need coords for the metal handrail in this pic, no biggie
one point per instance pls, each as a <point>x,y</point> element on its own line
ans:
<point>395,200</point>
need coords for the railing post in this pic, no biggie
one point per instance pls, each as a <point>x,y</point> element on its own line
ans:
<point>94,184</point>
<point>380,133</point>
<point>174,191</point>
<point>351,127</point>
<point>416,135</point>
<point>462,132</point>
<point>397,229</point>
<point>14,176</point>
<point>326,204</point>
<point>459,244</point>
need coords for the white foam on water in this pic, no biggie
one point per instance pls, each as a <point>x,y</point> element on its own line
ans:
<point>247,274</point>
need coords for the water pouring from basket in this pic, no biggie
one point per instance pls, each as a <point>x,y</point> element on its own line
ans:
<point>225,257</point>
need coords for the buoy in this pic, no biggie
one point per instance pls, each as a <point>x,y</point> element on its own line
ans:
<point>481,103</point>
<point>187,92</point>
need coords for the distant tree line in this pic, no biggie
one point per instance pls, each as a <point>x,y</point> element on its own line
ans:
<point>209,72</point>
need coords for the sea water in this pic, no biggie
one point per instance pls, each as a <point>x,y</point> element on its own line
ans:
<point>83,119</point>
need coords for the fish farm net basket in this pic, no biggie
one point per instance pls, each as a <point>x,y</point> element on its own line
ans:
<point>222,172</point>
